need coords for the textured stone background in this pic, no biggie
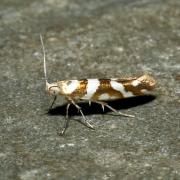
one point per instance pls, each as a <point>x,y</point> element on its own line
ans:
<point>89,39</point>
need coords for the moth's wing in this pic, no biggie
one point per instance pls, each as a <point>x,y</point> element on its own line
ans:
<point>122,80</point>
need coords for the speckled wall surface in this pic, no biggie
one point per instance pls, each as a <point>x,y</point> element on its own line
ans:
<point>89,39</point>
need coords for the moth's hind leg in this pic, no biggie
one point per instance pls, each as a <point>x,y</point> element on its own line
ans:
<point>104,104</point>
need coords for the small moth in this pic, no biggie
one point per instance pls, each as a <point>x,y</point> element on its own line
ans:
<point>96,90</point>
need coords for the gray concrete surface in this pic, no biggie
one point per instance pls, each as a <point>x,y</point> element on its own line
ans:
<point>89,39</point>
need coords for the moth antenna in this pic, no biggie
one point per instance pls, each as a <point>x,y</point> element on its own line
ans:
<point>44,54</point>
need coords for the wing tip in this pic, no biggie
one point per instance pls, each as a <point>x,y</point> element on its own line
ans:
<point>148,81</point>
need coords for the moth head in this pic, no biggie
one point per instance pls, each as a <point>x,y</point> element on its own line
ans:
<point>52,89</point>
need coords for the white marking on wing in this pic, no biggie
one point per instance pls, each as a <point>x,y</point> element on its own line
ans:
<point>107,97</point>
<point>71,86</point>
<point>104,96</point>
<point>144,91</point>
<point>119,87</point>
<point>135,83</point>
<point>92,87</point>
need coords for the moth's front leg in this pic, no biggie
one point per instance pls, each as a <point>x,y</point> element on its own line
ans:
<point>66,123</point>
<point>55,97</point>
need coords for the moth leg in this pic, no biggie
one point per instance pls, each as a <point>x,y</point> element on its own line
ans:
<point>102,105</point>
<point>89,103</point>
<point>84,118</point>
<point>66,122</point>
<point>112,109</point>
<point>55,97</point>
<point>67,109</point>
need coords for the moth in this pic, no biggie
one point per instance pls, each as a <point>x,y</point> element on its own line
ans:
<point>96,90</point>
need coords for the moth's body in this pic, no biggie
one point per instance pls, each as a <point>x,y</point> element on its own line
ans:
<point>102,89</point>
<point>97,90</point>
